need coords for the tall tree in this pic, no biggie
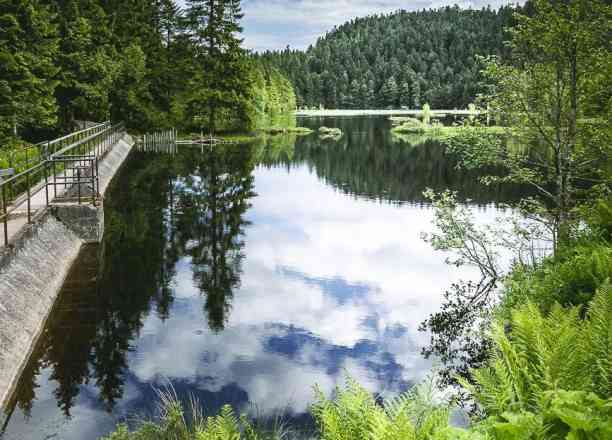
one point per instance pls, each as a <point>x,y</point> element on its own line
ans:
<point>557,91</point>
<point>221,82</point>
<point>28,46</point>
<point>86,61</point>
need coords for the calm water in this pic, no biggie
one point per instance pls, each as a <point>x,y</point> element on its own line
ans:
<point>245,275</point>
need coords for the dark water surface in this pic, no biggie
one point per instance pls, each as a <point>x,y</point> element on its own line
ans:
<point>245,275</point>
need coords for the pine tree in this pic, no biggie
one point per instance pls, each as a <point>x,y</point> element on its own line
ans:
<point>168,64</point>
<point>87,62</point>
<point>389,93</point>
<point>221,81</point>
<point>28,45</point>
<point>404,99</point>
<point>355,99</point>
<point>416,93</point>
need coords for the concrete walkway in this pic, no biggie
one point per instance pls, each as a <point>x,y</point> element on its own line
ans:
<point>18,218</point>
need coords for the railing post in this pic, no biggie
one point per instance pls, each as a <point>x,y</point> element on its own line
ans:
<point>55,179</point>
<point>29,198</point>
<point>5,212</point>
<point>97,186</point>
<point>93,181</point>
<point>79,185</point>
<point>45,166</point>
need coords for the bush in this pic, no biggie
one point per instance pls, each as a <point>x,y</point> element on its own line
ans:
<point>570,279</point>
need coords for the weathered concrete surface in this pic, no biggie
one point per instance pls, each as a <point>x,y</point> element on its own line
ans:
<point>86,221</point>
<point>35,265</point>
<point>28,288</point>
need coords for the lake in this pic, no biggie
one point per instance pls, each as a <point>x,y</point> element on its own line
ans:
<point>245,275</point>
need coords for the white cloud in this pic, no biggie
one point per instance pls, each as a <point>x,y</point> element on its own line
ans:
<point>274,24</point>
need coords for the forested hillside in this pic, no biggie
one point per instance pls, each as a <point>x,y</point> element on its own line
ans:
<point>144,62</point>
<point>403,59</point>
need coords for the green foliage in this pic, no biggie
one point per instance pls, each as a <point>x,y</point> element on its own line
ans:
<point>220,83</point>
<point>554,92</point>
<point>87,62</point>
<point>547,353</point>
<point>28,46</point>
<point>400,59</point>
<point>563,415</point>
<point>550,376</point>
<point>173,425</point>
<point>353,414</point>
<point>476,146</point>
<point>598,215</point>
<point>569,279</point>
<point>130,96</point>
<point>273,97</point>
<point>149,64</point>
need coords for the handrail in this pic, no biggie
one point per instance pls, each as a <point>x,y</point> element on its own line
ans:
<point>79,143</point>
<point>76,133</point>
<point>58,167</point>
<point>21,174</point>
<point>58,153</point>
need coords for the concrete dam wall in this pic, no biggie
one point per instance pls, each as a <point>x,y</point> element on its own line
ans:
<point>33,270</point>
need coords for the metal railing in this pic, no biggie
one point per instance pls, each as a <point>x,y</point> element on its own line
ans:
<point>68,166</point>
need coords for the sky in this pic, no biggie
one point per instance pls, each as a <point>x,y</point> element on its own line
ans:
<point>275,24</point>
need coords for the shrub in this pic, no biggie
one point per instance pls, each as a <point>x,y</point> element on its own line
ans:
<point>570,279</point>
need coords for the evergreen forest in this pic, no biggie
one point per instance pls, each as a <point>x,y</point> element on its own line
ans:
<point>147,63</point>
<point>404,59</point>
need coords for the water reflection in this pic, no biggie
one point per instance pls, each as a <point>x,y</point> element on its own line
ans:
<point>371,161</point>
<point>242,298</point>
<point>207,224</point>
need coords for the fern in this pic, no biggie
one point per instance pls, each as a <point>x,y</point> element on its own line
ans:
<point>353,414</point>
<point>549,377</point>
<point>598,342</point>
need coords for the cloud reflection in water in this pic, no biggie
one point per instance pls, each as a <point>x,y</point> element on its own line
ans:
<point>330,285</point>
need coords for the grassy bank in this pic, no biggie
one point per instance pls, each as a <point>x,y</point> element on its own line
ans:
<point>442,131</point>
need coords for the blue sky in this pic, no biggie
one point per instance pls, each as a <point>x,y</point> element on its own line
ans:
<point>274,24</point>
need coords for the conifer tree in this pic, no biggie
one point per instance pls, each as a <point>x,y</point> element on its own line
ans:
<point>220,84</point>
<point>28,45</point>
<point>87,62</point>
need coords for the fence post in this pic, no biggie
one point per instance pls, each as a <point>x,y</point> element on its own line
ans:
<point>5,212</point>
<point>45,166</point>
<point>79,185</point>
<point>29,197</point>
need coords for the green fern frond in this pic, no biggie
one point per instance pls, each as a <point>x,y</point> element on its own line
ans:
<point>598,343</point>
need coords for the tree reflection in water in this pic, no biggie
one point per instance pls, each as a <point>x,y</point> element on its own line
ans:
<point>191,207</point>
<point>209,224</point>
<point>160,210</point>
